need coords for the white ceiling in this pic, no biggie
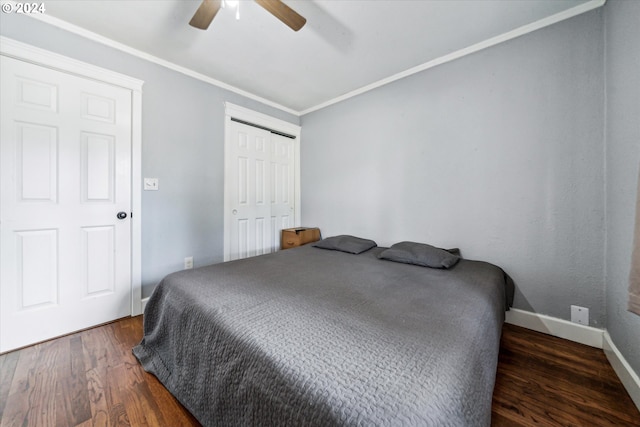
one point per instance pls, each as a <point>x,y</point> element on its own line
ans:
<point>346,45</point>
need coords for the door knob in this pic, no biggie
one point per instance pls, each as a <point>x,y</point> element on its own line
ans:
<point>122,215</point>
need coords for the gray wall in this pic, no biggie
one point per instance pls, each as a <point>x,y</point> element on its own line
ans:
<point>499,153</point>
<point>622,161</point>
<point>182,146</point>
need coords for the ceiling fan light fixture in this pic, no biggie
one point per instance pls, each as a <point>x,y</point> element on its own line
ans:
<point>232,4</point>
<point>209,8</point>
<point>205,14</point>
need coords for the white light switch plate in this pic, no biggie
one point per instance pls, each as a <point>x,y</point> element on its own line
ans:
<point>150,184</point>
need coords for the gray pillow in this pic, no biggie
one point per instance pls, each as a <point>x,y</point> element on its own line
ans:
<point>420,254</point>
<point>455,251</point>
<point>345,243</point>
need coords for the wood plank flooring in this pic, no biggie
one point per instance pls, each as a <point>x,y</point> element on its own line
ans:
<point>86,379</point>
<point>548,381</point>
<point>92,379</point>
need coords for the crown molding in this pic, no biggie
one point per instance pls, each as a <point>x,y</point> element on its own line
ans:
<point>64,25</point>
<point>520,31</point>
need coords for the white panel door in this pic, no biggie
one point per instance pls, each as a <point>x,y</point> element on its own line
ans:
<point>65,160</point>
<point>259,181</point>
<point>282,186</point>
<point>249,177</point>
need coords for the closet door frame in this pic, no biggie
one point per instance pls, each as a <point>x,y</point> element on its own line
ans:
<point>246,115</point>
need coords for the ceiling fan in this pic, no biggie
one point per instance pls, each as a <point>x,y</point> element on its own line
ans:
<point>208,9</point>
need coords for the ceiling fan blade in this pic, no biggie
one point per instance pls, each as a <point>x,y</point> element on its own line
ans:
<point>284,13</point>
<point>205,14</point>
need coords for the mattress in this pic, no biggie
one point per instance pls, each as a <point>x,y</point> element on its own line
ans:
<point>315,337</point>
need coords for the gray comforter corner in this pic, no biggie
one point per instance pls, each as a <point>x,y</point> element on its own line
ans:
<point>311,337</point>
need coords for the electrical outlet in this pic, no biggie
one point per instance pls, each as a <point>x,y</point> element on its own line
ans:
<point>188,262</point>
<point>580,315</point>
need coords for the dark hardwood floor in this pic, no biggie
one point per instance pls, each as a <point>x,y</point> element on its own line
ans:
<point>91,379</point>
<point>548,381</point>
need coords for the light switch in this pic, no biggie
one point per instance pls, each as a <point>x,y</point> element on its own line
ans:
<point>150,184</point>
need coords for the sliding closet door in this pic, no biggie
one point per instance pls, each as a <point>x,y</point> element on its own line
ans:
<point>260,184</point>
<point>282,186</point>
<point>249,179</point>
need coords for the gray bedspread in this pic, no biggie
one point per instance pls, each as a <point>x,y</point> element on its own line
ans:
<point>312,337</point>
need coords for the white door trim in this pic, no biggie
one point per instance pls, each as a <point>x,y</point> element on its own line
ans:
<point>25,52</point>
<point>247,115</point>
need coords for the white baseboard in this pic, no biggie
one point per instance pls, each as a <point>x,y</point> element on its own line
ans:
<point>556,327</point>
<point>627,376</point>
<point>144,302</point>
<point>588,335</point>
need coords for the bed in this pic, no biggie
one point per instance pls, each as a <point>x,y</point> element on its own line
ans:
<point>318,337</point>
